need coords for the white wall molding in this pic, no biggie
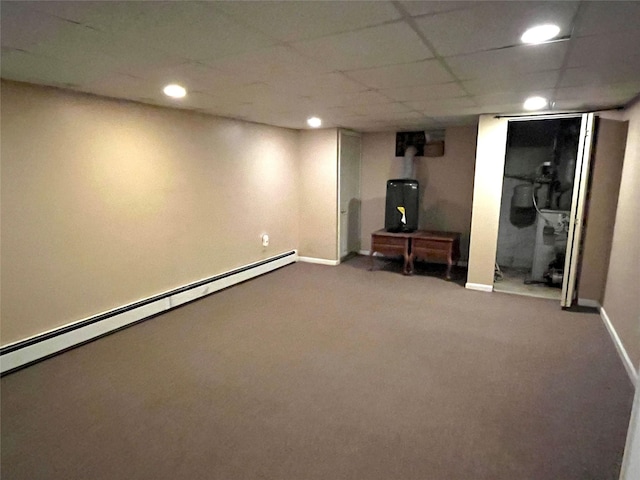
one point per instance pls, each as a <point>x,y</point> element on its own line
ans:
<point>624,356</point>
<point>479,286</point>
<point>319,261</point>
<point>29,350</point>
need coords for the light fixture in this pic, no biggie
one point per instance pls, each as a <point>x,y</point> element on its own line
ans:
<point>174,91</point>
<point>314,122</point>
<point>535,103</point>
<point>540,33</point>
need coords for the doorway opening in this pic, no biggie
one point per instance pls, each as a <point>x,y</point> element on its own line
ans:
<point>537,195</point>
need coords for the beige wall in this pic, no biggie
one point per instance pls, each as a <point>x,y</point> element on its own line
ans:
<point>319,194</point>
<point>487,194</point>
<point>622,298</point>
<point>601,210</point>
<point>107,202</point>
<point>446,183</point>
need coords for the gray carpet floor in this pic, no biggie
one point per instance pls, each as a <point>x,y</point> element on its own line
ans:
<point>314,372</point>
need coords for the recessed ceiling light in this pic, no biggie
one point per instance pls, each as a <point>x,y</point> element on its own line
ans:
<point>535,103</point>
<point>314,122</point>
<point>174,91</point>
<point>540,34</point>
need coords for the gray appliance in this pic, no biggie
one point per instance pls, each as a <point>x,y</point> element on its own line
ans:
<point>551,238</point>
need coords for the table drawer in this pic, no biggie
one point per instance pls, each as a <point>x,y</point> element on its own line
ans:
<point>389,242</point>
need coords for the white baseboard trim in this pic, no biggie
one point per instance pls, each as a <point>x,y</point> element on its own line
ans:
<point>585,302</point>
<point>481,287</point>
<point>364,252</point>
<point>624,356</point>
<point>29,350</point>
<point>319,261</point>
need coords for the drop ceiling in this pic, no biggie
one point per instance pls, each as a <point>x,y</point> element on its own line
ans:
<point>368,66</point>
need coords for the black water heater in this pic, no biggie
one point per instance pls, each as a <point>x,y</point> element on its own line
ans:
<point>401,211</point>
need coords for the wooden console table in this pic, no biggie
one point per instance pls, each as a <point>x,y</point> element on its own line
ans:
<point>425,244</point>
<point>389,243</point>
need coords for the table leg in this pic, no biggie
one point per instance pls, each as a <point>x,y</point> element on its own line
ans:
<point>450,264</point>
<point>408,260</point>
<point>408,265</point>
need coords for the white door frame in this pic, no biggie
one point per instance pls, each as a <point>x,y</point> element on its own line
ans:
<point>578,202</point>
<point>578,199</point>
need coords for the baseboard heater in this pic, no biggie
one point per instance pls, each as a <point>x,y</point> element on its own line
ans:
<point>26,352</point>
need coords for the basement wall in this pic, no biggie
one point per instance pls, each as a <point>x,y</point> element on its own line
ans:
<point>106,202</point>
<point>621,299</point>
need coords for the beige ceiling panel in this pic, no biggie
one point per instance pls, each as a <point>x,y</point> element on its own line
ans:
<point>119,17</point>
<point>403,75</point>
<point>511,62</point>
<point>509,98</point>
<point>604,50</point>
<point>293,21</point>
<point>377,109</point>
<point>424,92</point>
<point>349,99</point>
<point>312,85</point>
<point>123,86</point>
<point>620,72</point>
<point>513,83</point>
<point>371,47</point>
<point>418,8</point>
<point>269,64</point>
<point>193,30</point>
<point>192,76</point>
<point>600,95</point>
<point>26,67</point>
<point>608,17</point>
<point>98,52</point>
<point>441,107</point>
<point>24,27</point>
<point>491,25</point>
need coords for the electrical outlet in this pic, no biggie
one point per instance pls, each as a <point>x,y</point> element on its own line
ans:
<point>265,240</point>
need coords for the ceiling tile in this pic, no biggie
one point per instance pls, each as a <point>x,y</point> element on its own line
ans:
<point>604,49</point>
<point>608,17</point>
<point>512,62</point>
<point>378,109</point>
<point>434,107</point>
<point>605,95</point>
<point>194,30</point>
<point>27,67</point>
<point>24,27</point>
<point>417,8</point>
<point>403,75</point>
<point>512,83</point>
<point>97,51</point>
<point>628,70</point>
<point>371,47</point>
<point>293,21</point>
<point>199,33</point>
<point>348,99</point>
<point>268,64</point>
<point>491,25</point>
<point>425,92</point>
<point>509,98</point>
<point>323,84</point>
